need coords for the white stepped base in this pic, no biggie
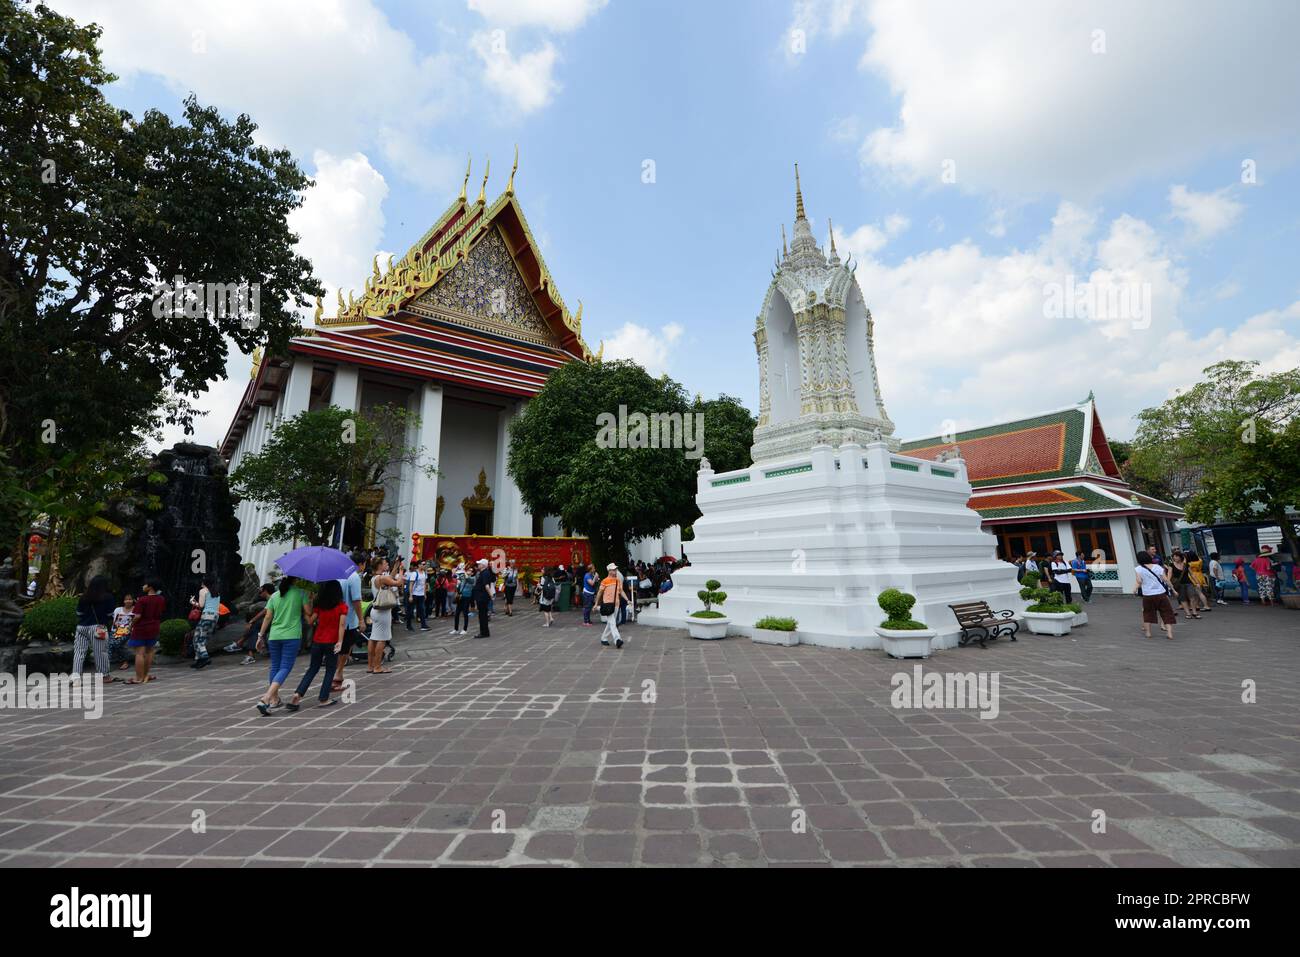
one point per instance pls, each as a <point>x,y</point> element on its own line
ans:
<point>818,539</point>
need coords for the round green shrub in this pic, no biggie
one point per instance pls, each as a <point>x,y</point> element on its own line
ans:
<point>713,584</point>
<point>898,606</point>
<point>772,623</point>
<point>707,614</point>
<point>53,619</point>
<point>171,636</point>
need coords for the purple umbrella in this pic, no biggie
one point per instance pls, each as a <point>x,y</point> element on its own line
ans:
<point>316,563</point>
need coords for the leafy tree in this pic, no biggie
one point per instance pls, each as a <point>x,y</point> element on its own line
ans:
<point>318,465</point>
<point>97,209</point>
<point>1238,433</point>
<point>611,492</point>
<point>728,432</point>
<point>1155,487</point>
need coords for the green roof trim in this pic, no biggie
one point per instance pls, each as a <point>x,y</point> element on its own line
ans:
<point>1072,419</point>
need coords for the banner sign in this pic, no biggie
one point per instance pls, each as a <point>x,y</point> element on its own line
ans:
<point>529,554</point>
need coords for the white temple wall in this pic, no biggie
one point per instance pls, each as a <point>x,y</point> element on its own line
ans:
<point>469,444</point>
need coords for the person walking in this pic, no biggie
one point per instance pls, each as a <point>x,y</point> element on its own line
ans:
<point>149,610</point>
<point>1082,575</point>
<point>208,603</point>
<point>1180,576</point>
<point>1217,581</point>
<point>330,620</point>
<point>1265,579</point>
<point>123,622</point>
<point>1152,585</point>
<point>417,581</point>
<point>281,635</point>
<point>352,634</point>
<point>590,582</point>
<point>94,616</point>
<point>546,592</point>
<point>510,584</point>
<point>609,596</point>
<point>484,583</point>
<point>1196,567</point>
<point>381,616</point>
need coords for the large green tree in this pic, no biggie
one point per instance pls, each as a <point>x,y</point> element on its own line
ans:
<point>613,492</point>
<point>728,432</point>
<point>318,465</point>
<point>97,209</point>
<point>1237,434</point>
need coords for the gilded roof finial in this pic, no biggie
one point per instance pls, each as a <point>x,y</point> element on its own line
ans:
<point>482,190</point>
<point>784,251</point>
<point>374,267</point>
<point>830,227</point>
<point>510,186</point>
<point>342,308</point>
<point>798,195</point>
<point>469,161</point>
<point>315,317</point>
<point>577,318</point>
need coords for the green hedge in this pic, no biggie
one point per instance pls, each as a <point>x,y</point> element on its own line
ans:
<point>54,619</point>
<point>772,623</point>
<point>171,636</point>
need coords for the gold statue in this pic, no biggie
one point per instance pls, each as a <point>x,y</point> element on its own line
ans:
<point>315,318</point>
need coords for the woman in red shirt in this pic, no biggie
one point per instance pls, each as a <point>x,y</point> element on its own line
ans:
<point>330,616</point>
<point>149,610</point>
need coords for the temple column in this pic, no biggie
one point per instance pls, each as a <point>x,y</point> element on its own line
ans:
<point>1065,532</point>
<point>1125,551</point>
<point>297,390</point>
<point>424,488</point>
<point>346,393</point>
<point>508,517</point>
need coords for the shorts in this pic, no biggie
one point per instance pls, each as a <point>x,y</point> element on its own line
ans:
<point>1187,593</point>
<point>351,636</point>
<point>141,642</point>
<point>1157,604</point>
<point>543,606</point>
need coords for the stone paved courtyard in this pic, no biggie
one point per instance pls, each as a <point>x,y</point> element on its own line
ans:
<point>536,747</point>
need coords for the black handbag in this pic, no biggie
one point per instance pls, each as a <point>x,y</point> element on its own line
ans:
<point>606,609</point>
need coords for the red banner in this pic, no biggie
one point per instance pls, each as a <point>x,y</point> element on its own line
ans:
<point>529,554</point>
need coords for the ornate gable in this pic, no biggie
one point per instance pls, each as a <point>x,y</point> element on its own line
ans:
<point>485,290</point>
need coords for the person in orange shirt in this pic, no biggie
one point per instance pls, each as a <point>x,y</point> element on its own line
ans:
<point>608,597</point>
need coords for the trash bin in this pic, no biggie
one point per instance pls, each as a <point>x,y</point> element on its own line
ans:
<point>565,599</point>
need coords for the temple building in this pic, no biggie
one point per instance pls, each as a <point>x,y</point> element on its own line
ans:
<point>1050,481</point>
<point>460,331</point>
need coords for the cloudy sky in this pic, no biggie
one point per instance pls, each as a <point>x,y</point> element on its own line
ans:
<point>987,164</point>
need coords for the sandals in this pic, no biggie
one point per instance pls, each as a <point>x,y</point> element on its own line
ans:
<point>293,707</point>
<point>264,708</point>
<point>327,704</point>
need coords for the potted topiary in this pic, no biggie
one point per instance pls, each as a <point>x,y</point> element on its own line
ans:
<point>1080,616</point>
<point>1048,614</point>
<point>709,624</point>
<point>776,631</point>
<point>901,635</point>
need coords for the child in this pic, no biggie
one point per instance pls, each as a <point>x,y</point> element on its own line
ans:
<point>329,614</point>
<point>123,622</point>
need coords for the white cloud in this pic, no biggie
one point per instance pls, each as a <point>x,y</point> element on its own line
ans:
<point>647,348</point>
<point>962,334</point>
<point>1014,94</point>
<point>527,82</point>
<point>862,242</point>
<point>1206,214</point>
<point>558,15</point>
<point>309,73</point>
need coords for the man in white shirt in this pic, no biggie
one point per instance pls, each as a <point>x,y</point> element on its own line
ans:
<point>417,580</point>
<point>1062,575</point>
<point>1216,578</point>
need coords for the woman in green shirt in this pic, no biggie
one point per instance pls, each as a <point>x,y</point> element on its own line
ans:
<point>282,635</point>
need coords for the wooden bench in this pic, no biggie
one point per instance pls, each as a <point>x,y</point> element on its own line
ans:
<point>981,623</point>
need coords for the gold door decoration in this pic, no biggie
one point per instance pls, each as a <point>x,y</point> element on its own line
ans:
<point>480,501</point>
<point>369,503</point>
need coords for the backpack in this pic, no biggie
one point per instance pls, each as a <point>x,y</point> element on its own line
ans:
<point>548,591</point>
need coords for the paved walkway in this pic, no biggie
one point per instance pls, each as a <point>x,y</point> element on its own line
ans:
<point>539,747</point>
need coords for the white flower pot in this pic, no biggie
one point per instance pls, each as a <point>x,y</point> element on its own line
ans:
<point>709,629</point>
<point>1080,620</point>
<point>906,643</point>
<point>769,636</point>
<point>1049,622</point>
